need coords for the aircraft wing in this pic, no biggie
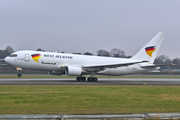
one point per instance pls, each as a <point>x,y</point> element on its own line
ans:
<point>98,67</point>
<point>157,65</point>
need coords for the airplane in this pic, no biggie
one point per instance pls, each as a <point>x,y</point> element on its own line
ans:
<point>80,65</point>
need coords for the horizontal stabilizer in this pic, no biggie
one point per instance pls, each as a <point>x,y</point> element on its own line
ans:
<point>157,65</point>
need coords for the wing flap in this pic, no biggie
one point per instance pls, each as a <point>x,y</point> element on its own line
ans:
<point>157,65</point>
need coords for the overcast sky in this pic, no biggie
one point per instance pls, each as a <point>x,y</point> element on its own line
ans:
<point>89,25</point>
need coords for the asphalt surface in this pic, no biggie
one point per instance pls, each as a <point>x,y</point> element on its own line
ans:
<point>101,81</point>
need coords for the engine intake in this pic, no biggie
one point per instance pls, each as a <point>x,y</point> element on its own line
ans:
<point>73,71</point>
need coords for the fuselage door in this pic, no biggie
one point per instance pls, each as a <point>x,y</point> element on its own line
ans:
<point>26,58</point>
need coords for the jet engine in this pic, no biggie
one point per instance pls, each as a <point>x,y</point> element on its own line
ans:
<point>73,71</point>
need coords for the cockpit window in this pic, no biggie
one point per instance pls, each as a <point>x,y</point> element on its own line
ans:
<point>13,55</point>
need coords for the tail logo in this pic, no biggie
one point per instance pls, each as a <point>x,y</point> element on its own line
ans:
<point>150,50</point>
<point>36,57</point>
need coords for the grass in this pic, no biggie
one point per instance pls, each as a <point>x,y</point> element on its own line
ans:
<point>88,99</point>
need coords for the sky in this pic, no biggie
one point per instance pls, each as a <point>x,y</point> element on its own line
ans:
<point>79,26</point>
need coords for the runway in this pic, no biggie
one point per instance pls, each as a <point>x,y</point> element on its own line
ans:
<point>101,81</point>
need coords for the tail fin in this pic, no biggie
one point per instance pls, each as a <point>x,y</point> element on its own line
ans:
<point>150,50</point>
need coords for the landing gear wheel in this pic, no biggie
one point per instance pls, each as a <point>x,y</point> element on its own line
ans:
<point>83,79</point>
<point>19,75</point>
<point>95,79</point>
<point>90,79</point>
<point>78,78</point>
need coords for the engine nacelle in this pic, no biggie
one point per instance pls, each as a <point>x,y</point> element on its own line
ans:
<point>73,71</point>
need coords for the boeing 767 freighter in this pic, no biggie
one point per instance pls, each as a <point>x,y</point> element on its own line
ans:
<point>79,65</point>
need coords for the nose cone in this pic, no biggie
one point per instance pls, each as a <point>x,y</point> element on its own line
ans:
<point>6,59</point>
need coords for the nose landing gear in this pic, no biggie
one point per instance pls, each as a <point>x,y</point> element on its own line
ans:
<point>19,71</point>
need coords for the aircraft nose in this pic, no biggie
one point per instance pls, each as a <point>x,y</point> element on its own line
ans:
<point>6,59</point>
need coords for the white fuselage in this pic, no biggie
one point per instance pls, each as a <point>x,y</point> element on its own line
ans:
<point>49,61</point>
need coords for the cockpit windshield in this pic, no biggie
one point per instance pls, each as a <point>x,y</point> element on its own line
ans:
<point>13,55</point>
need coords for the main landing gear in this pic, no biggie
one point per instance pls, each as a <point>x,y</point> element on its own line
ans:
<point>89,79</point>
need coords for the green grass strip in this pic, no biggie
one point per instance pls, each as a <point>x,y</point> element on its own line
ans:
<point>88,99</point>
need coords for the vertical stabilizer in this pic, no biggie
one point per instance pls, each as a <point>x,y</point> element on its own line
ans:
<point>150,50</point>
